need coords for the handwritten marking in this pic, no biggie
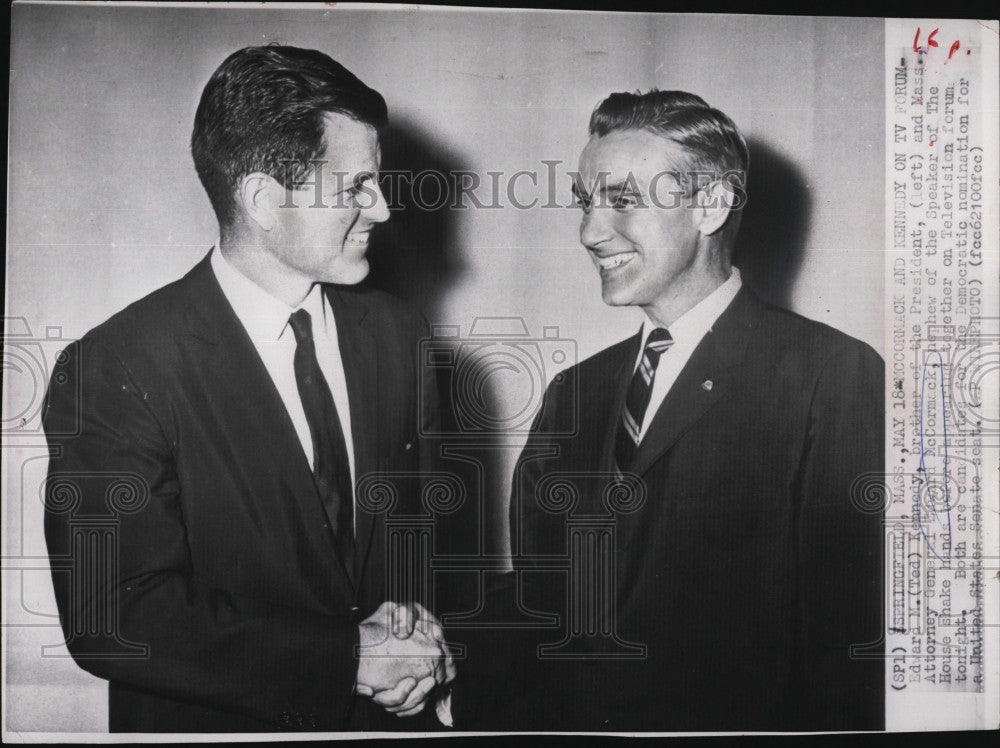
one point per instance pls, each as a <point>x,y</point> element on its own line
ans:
<point>930,39</point>
<point>932,42</point>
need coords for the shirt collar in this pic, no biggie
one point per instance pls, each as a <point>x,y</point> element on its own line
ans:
<point>691,327</point>
<point>264,316</point>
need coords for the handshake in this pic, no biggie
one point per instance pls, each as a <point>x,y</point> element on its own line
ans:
<point>403,658</point>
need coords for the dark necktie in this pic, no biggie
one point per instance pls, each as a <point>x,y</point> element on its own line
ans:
<point>637,399</point>
<point>331,469</point>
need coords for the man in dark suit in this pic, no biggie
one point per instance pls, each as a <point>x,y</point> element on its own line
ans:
<point>225,421</point>
<point>687,502</point>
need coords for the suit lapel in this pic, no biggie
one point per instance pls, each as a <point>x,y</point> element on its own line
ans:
<point>686,402</point>
<point>707,376</point>
<point>619,380</point>
<point>246,397</point>
<point>359,353</point>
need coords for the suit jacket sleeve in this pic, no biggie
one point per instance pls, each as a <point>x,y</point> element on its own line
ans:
<point>840,544</point>
<point>502,683</point>
<point>203,645</point>
<point>430,425</point>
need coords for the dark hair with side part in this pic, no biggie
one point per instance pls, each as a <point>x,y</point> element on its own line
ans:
<point>711,141</point>
<point>262,110</point>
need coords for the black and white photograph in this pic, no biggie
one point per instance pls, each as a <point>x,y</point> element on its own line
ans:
<point>414,370</point>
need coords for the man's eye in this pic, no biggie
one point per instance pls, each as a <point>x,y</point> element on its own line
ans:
<point>624,202</point>
<point>359,183</point>
<point>355,191</point>
<point>581,202</point>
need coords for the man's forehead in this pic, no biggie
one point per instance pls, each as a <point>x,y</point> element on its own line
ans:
<point>343,125</point>
<point>350,144</point>
<point>634,151</point>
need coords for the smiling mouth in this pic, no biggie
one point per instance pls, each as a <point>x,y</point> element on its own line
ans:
<point>359,239</point>
<point>611,262</point>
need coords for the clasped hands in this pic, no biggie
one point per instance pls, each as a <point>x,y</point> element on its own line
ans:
<point>402,657</point>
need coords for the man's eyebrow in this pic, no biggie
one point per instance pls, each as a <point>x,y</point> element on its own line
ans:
<point>604,188</point>
<point>356,180</point>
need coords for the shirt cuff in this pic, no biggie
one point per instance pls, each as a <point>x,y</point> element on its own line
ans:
<point>443,708</point>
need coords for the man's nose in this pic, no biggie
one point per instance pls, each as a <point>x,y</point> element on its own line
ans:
<point>377,210</point>
<point>595,227</point>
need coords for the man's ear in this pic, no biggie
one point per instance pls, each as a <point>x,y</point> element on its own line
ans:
<point>260,196</point>
<point>715,201</point>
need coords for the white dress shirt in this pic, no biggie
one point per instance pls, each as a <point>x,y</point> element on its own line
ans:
<point>265,319</point>
<point>687,332</point>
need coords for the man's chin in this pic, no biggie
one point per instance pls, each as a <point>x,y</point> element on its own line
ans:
<point>348,275</point>
<point>615,296</point>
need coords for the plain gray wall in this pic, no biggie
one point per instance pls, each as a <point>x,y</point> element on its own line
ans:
<point>105,206</point>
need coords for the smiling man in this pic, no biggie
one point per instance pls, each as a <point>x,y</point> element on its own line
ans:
<point>742,588</point>
<point>244,588</point>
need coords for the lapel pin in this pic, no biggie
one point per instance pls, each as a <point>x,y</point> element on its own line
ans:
<point>706,385</point>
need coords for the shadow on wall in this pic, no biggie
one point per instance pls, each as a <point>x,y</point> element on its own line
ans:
<point>414,255</point>
<point>776,219</point>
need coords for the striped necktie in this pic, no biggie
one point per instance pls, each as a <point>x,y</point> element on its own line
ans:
<point>637,399</point>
